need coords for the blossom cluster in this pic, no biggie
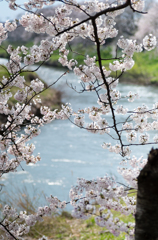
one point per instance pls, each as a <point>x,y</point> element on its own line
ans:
<point>106,193</point>
<point>149,42</point>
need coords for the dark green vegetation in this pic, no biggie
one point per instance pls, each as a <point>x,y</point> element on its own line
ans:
<point>79,53</point>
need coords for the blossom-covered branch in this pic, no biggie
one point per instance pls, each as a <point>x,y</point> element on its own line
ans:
<point>62,28</point>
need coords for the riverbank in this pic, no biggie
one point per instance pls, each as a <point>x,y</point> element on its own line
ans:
<point>50,97</point>
<point>144,71</point>
<point>60,225</point>
<point>65,227</point>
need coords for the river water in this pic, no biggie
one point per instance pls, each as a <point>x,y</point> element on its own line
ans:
<point>68,152</point>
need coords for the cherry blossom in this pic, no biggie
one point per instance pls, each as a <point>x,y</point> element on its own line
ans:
<point>98,25</point>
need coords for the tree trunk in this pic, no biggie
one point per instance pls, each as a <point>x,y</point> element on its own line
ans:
<point>147,200</point>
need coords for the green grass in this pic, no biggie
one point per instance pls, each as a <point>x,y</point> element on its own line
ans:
<point>144,71</point>
<point>146,63</point>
